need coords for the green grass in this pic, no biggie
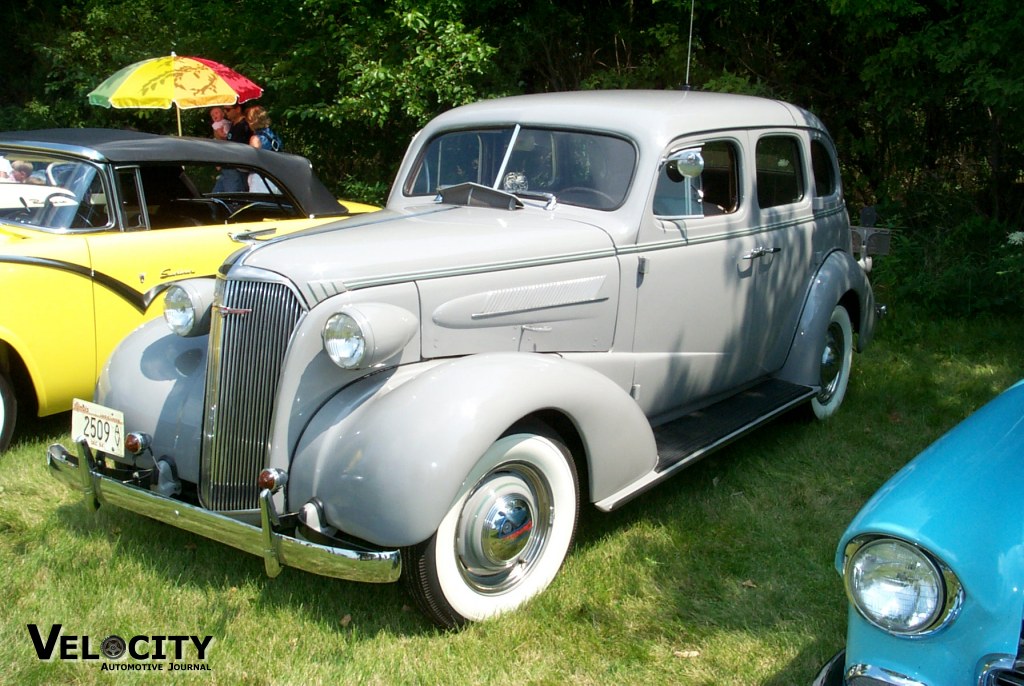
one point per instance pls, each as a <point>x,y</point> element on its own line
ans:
<point>723,575</point>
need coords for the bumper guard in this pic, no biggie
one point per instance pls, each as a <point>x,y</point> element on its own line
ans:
<point>277,550</point>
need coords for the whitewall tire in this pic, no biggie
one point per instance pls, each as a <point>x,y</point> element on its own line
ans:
<point>8,412</point>
<point>836,361</point>
<point>504,539</point>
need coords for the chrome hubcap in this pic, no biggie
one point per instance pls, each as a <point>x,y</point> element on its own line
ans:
<point>503,528</point>
<point>831,362</point>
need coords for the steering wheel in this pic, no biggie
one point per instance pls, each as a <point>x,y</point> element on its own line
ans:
<point>221,209</point>
<point>604,200</point>
<point>83,218</point>
<point>48,200</point>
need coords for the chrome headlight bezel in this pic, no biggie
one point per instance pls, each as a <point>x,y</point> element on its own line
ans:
<point>187,307</point>
<point>368,335</point>
<point>877,569</point>
<point>344,340</point>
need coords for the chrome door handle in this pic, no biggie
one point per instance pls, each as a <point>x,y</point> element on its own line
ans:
<point>760,251</point>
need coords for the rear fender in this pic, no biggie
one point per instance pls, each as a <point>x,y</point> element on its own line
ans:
<point>389,456</point>
<point>840,280</point>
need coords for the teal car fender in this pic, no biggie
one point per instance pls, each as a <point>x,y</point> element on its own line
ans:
<point>388,456</point>
<point>959,500</point>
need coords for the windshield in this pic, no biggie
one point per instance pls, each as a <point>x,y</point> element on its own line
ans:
<point>576,168</point>
<point>39,189</point>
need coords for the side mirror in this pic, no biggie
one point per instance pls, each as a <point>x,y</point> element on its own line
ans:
<point>682,164</point>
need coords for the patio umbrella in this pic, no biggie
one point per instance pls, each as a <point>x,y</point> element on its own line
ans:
<point>184,82</point>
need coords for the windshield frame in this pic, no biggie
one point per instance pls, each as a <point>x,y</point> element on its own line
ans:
<point>580,167</point>
<point>50,198</point>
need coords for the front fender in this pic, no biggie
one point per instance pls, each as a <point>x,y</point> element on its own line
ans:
<point>388,456</point>
<point>158,379</point>
<point>840,278</point>
<point>960,500</point>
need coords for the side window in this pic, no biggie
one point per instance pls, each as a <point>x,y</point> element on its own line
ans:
<point>715,191</point>
<point>824,170</point>
<point>93,211</point>
<point>779,176</point>
<point>134,210</point>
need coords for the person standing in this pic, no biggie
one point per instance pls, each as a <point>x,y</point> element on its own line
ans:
<point>234,180</point>
<point>263,138</point>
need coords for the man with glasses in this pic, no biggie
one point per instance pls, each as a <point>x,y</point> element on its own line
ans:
<point>234,180</point>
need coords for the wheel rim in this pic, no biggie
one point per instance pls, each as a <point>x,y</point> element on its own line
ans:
<point>503,528</point>
<point>832,361</point>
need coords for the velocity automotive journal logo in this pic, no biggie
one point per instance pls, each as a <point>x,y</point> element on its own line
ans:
<point>150,653</point>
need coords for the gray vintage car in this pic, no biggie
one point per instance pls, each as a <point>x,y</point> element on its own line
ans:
<point>569,298</point>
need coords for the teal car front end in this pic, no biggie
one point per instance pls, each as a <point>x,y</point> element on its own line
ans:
<point>933,564</point>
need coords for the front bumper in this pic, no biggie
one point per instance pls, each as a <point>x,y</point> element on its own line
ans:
<point>277,549</point>
<point>832,673</point>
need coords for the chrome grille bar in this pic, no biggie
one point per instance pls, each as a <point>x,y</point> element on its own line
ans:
<point>252,325</point>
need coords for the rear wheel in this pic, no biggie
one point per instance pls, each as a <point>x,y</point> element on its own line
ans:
<point>504,539</point>
<point>8,411</point>
<point>836,361</point>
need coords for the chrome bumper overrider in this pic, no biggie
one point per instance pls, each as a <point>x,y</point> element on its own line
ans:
<point>276,549</point>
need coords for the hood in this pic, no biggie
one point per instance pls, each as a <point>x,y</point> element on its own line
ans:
<point>424,243</point>
<point>960,499</point>
<point>970,477</point>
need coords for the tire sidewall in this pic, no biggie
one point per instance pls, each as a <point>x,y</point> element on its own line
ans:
<point>551,460</point>
<point>824,410</point>
<point>8,412</point>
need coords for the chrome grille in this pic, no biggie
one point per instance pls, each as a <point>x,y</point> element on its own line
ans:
<point>1007,672</point>
<point>249,335</point>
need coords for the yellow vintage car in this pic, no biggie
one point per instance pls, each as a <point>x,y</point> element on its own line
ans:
<point>95,224</point>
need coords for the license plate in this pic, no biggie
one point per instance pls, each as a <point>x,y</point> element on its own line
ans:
<point>102,427</point>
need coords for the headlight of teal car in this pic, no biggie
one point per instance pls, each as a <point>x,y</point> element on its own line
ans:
<point>187,307</point>
<point>367,335</point>
<point>899,587</point>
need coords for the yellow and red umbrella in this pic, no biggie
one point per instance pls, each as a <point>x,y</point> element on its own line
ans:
<point>184,82</point>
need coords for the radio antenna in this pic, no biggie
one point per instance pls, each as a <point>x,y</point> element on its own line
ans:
<point>689,47</point>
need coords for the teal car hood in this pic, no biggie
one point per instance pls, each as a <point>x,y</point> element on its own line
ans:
<point>961,499</point>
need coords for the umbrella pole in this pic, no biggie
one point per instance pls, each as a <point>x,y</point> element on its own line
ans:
<point>178,110</point>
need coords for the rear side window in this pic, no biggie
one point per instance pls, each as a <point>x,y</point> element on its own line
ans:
<point>779,176</point>
<point>824,170</point>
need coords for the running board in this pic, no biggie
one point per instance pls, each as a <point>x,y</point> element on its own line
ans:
<point>689,438</point>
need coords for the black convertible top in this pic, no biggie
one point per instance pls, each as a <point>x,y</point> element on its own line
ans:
<point>292,172</point>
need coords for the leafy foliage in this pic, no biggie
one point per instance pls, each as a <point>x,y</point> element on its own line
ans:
<point>923,98</point>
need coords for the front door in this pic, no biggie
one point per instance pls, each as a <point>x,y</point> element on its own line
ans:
<point>698,329</point>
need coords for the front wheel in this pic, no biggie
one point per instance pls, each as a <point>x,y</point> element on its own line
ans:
<point>504,539</point>
<point>836,361</point>
<point>8,411</point>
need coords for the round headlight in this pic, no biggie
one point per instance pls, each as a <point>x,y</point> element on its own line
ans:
<point>344,341</point>
<point>187,307</point>
<point>179,311</point>
<point>900,588</point>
